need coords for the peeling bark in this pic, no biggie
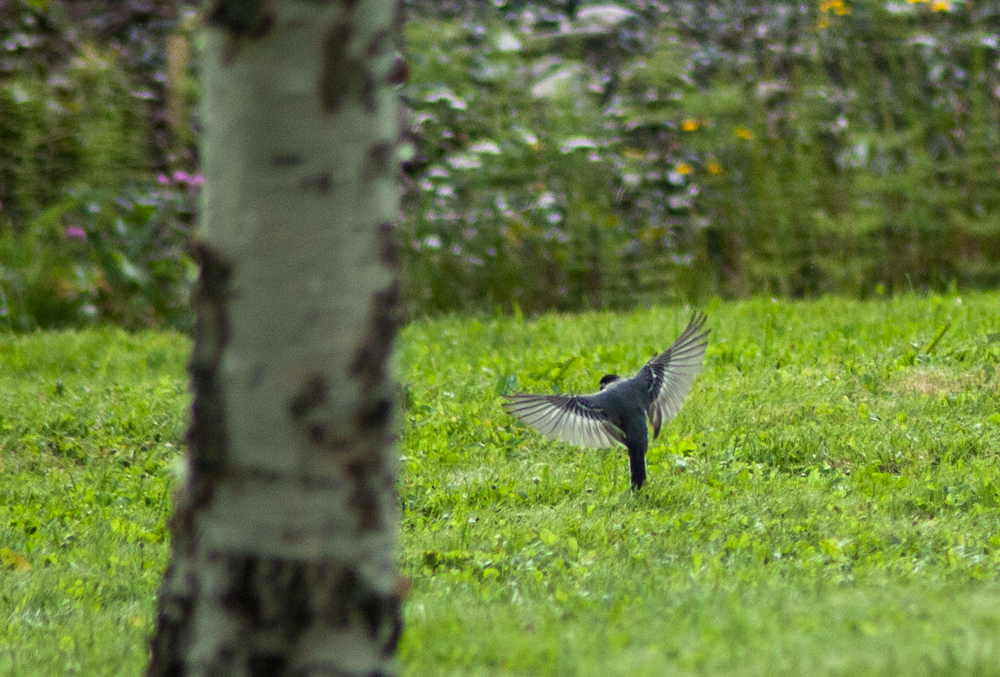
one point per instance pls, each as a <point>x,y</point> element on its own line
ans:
<point>283,537</point>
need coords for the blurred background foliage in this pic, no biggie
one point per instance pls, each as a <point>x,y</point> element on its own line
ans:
<point>557,155</point>
<point>98,181</point>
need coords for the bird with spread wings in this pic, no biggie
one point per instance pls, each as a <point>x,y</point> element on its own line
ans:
<point>617,414</point>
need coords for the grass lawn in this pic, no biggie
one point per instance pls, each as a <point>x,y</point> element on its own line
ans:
<point>827,502</point>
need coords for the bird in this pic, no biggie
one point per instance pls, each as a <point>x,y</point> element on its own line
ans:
<point>617,413</point>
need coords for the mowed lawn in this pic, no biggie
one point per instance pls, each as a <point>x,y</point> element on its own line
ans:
<point>827,502</point>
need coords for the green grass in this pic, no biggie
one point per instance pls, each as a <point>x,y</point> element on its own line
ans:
<point>90,425</point>
<point>827,502</point>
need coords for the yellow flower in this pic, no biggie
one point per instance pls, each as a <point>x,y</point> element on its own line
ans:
<point>689,125</point>
<point>744,133</point>
<point>917,2</point>
<point>836,6</point>
<point>941,6</point>
<point>683,168</point>
<point>713,167</point>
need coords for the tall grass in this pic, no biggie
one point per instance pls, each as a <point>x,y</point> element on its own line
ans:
<point>789,149</point>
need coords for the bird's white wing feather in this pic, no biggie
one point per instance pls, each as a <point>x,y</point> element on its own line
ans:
<point>672,372</point>
<point>570,418</point>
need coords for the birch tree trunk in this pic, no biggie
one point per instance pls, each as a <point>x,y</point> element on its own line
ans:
<point>283,541</point>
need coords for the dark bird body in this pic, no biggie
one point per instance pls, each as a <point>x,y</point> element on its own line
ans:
<point>617,414</point>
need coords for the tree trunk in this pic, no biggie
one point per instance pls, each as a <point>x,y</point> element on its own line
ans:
<point>283,539</point>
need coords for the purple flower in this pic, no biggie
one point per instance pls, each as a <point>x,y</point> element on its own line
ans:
<point>163,179</point>
<point>75,233</point>
<point>185,179</point>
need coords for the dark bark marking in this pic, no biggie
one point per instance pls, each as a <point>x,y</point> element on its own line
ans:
<point>266,665</point>
<point>290,600</point>
<point>172,632</point>
<point>317,433</point>
<point>361,471</point>
<point>268,592</point>
<point>311,395</point>
<point>224,660</point>
<point>320,183</point>
<point>395,627</point>
<point>240,597</point>
<point>399,73</point>
<point>368,99</point>
<point>242,18</point>
<point>371,610</point>
<point>338,445</point>
<point>343,74</point>
<point>379,162</point>
<point>373,415</point>
<point>379,43</point>
<point>338,68</point>
<point>374,412</point>
<point>364,465</point>
<point>364,501</point>
<point>302,409</point>
<point>286,160</point>
<point>282,598</point>
<point>350,598</point>
<point>337,608</point>
<point>369,361</point>
<point>206,438</point>
<point>262,475</point>
<point>388,244</point>
<point>311,482</point>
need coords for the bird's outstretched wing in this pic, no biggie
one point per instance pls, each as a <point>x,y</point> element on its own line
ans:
<point>570,418</point>
<point>671,373</point>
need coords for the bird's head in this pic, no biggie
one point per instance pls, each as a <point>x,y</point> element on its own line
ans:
<point>608,380</point>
